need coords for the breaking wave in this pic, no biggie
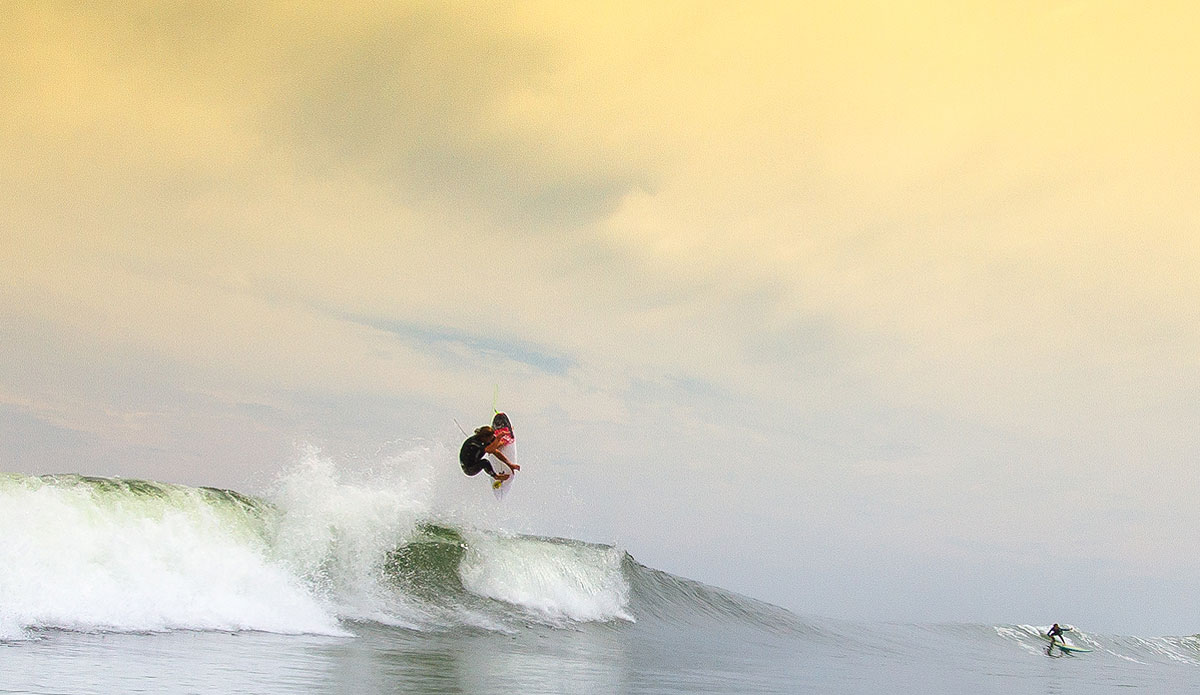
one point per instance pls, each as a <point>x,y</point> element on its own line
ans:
<point>316,555</point>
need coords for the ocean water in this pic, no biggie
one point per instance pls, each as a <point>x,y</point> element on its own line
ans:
<point>124,586</point>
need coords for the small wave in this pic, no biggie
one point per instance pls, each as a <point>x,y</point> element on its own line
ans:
<point>1131,649</point>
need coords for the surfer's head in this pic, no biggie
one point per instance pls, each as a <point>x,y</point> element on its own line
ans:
<point>486,429</point>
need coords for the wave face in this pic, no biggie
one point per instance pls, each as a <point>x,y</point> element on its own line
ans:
<point>317,556</point>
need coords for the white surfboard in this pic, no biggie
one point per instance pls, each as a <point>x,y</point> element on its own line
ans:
<point>504,431</point>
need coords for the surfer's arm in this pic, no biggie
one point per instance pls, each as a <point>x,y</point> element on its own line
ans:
<point>493,448</point>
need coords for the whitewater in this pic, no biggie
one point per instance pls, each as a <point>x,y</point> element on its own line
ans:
<point>335,583</point>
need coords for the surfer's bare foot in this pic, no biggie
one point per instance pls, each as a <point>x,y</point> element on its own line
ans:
<point>502,476</point>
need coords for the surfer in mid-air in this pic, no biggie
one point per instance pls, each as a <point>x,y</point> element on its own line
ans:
<point>473,455</point>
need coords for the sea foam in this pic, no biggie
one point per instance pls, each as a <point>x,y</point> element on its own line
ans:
<point>557,579</point>
<point>104,554</point>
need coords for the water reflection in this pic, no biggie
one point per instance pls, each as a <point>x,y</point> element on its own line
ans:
<point>537,660</point>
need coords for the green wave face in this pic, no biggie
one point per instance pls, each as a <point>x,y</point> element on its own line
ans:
<point>426,566</point>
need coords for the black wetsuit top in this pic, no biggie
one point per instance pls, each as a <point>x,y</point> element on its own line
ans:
<point>471,456</point>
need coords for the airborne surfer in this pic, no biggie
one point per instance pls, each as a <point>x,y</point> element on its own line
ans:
<point>473,455</point>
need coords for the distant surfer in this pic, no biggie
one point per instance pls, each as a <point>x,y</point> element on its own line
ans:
<point>1057,631</point>
<point>473,455</point>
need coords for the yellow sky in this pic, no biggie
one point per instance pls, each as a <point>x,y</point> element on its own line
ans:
<point>949,172</point>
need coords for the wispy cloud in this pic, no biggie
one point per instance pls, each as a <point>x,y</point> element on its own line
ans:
<point>465,348</point>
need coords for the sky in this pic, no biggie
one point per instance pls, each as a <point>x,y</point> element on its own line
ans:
<point>872,310</point>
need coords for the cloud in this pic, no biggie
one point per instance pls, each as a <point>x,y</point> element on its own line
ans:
<point>420,98</point>
<point>466,348</point>
<point>747,203</point>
